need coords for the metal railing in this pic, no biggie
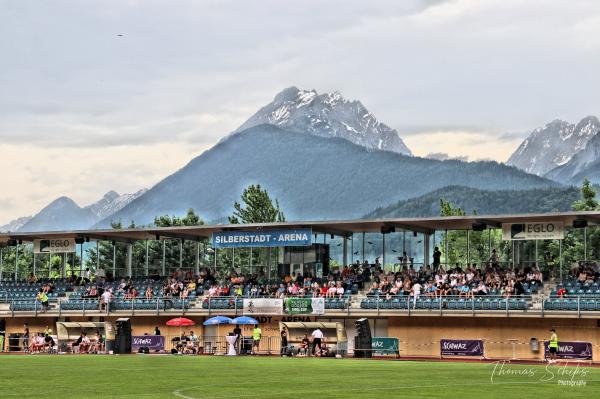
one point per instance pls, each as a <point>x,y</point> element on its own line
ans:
<point>376,303</point>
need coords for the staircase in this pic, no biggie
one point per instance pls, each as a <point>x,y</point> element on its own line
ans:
<point>537,300</point>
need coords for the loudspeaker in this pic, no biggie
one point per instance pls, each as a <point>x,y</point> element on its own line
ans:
<point>123,336</point>
<point>387,229</point>
<point>79,240</point>
<point>362,342</point>
<point>11,243</point>
<point>579,223</point>
<point>479,226</point>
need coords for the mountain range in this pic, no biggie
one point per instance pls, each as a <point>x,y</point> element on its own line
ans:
<point>561,151</point>
<point>484,202</point>
<point>325,157</point>
<point>313,177</point>
<point>64,214</point>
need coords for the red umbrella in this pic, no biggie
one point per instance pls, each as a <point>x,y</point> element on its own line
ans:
<point>180,322</point>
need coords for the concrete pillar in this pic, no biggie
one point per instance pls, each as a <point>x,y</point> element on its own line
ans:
<point>129,259</point>
<point>197,259</point>
<point>146,261</point>
<point>426,249</point>
<point>345,249</point>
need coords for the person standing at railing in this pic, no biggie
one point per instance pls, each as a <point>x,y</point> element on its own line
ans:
<point>437,256</point>
<point>43,298</point>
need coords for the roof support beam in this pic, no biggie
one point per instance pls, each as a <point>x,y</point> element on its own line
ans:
<point>410,227</point>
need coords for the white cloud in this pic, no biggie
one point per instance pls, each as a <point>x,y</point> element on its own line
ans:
<point>452,76</point>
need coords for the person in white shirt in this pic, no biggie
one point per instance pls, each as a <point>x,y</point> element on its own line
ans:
<point>105,299</point>
<point>416,292</point>
<point>339,290</point>
<point>317,337</point>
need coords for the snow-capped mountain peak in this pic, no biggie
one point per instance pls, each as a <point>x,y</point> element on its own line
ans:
<point>553,145</point>
<point>327,115</point>
<point>112,202</point>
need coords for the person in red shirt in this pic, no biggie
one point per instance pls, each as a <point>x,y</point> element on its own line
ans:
<point>561,292</point>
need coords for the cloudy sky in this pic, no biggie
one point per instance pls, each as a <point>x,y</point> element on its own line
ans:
<point>100,95</point>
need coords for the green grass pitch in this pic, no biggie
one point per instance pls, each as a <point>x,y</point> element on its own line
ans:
<point>198,377</point>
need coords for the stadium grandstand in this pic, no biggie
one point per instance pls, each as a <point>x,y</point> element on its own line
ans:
<point>480,286</point>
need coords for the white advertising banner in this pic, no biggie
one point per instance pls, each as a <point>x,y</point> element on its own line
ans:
<point>263,306</point>
<point>533,231</point>
<point>53,246</point>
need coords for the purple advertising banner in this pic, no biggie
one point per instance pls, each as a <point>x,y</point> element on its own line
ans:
<point>571,350</point>
<point>153,342</point>
<point>461,347</point>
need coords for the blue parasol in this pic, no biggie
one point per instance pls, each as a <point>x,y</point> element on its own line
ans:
<point>244,320</point>
<point>217,320</point>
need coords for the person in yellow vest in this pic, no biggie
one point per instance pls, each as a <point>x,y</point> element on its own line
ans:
<point>256,336</point>
<point>43,298</point>
<point>553,346</point>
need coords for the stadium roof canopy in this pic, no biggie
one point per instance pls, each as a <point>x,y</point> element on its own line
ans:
<point>336,227</point>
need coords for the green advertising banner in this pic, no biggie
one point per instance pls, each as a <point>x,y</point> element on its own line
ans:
<point>385,346</point>
<point>304,305</point>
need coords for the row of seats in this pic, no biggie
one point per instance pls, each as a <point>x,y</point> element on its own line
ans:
<point>25,306</point>
<point>584,304</point>
<point>445,303</point>
<point>577,292</point>
<point>140,304</point>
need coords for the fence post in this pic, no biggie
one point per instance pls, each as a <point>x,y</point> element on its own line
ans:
<point>209,300</point>
<point>579,306</point>
<point>84,307</point>
<point>506,300</point>
<point>157,306</point>
<point>408,304</point>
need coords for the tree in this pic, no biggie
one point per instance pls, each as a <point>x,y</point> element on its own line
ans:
<point>447,209</point>
<point>259,207</point>
<point>588,200</point>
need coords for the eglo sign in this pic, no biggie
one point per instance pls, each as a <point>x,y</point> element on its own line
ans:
<point>57,245</point>
<point>533,231</point>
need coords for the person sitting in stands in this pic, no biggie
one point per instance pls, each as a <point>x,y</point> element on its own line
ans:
<point>465,290</point>
<point>331,291</point>
<point>339,290</point>
<point>92,292</point>
<point>185,293</point>
<point>32,278</point>
<point>149,293</point>
<point>481,289</point>
<point>561,292</point>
